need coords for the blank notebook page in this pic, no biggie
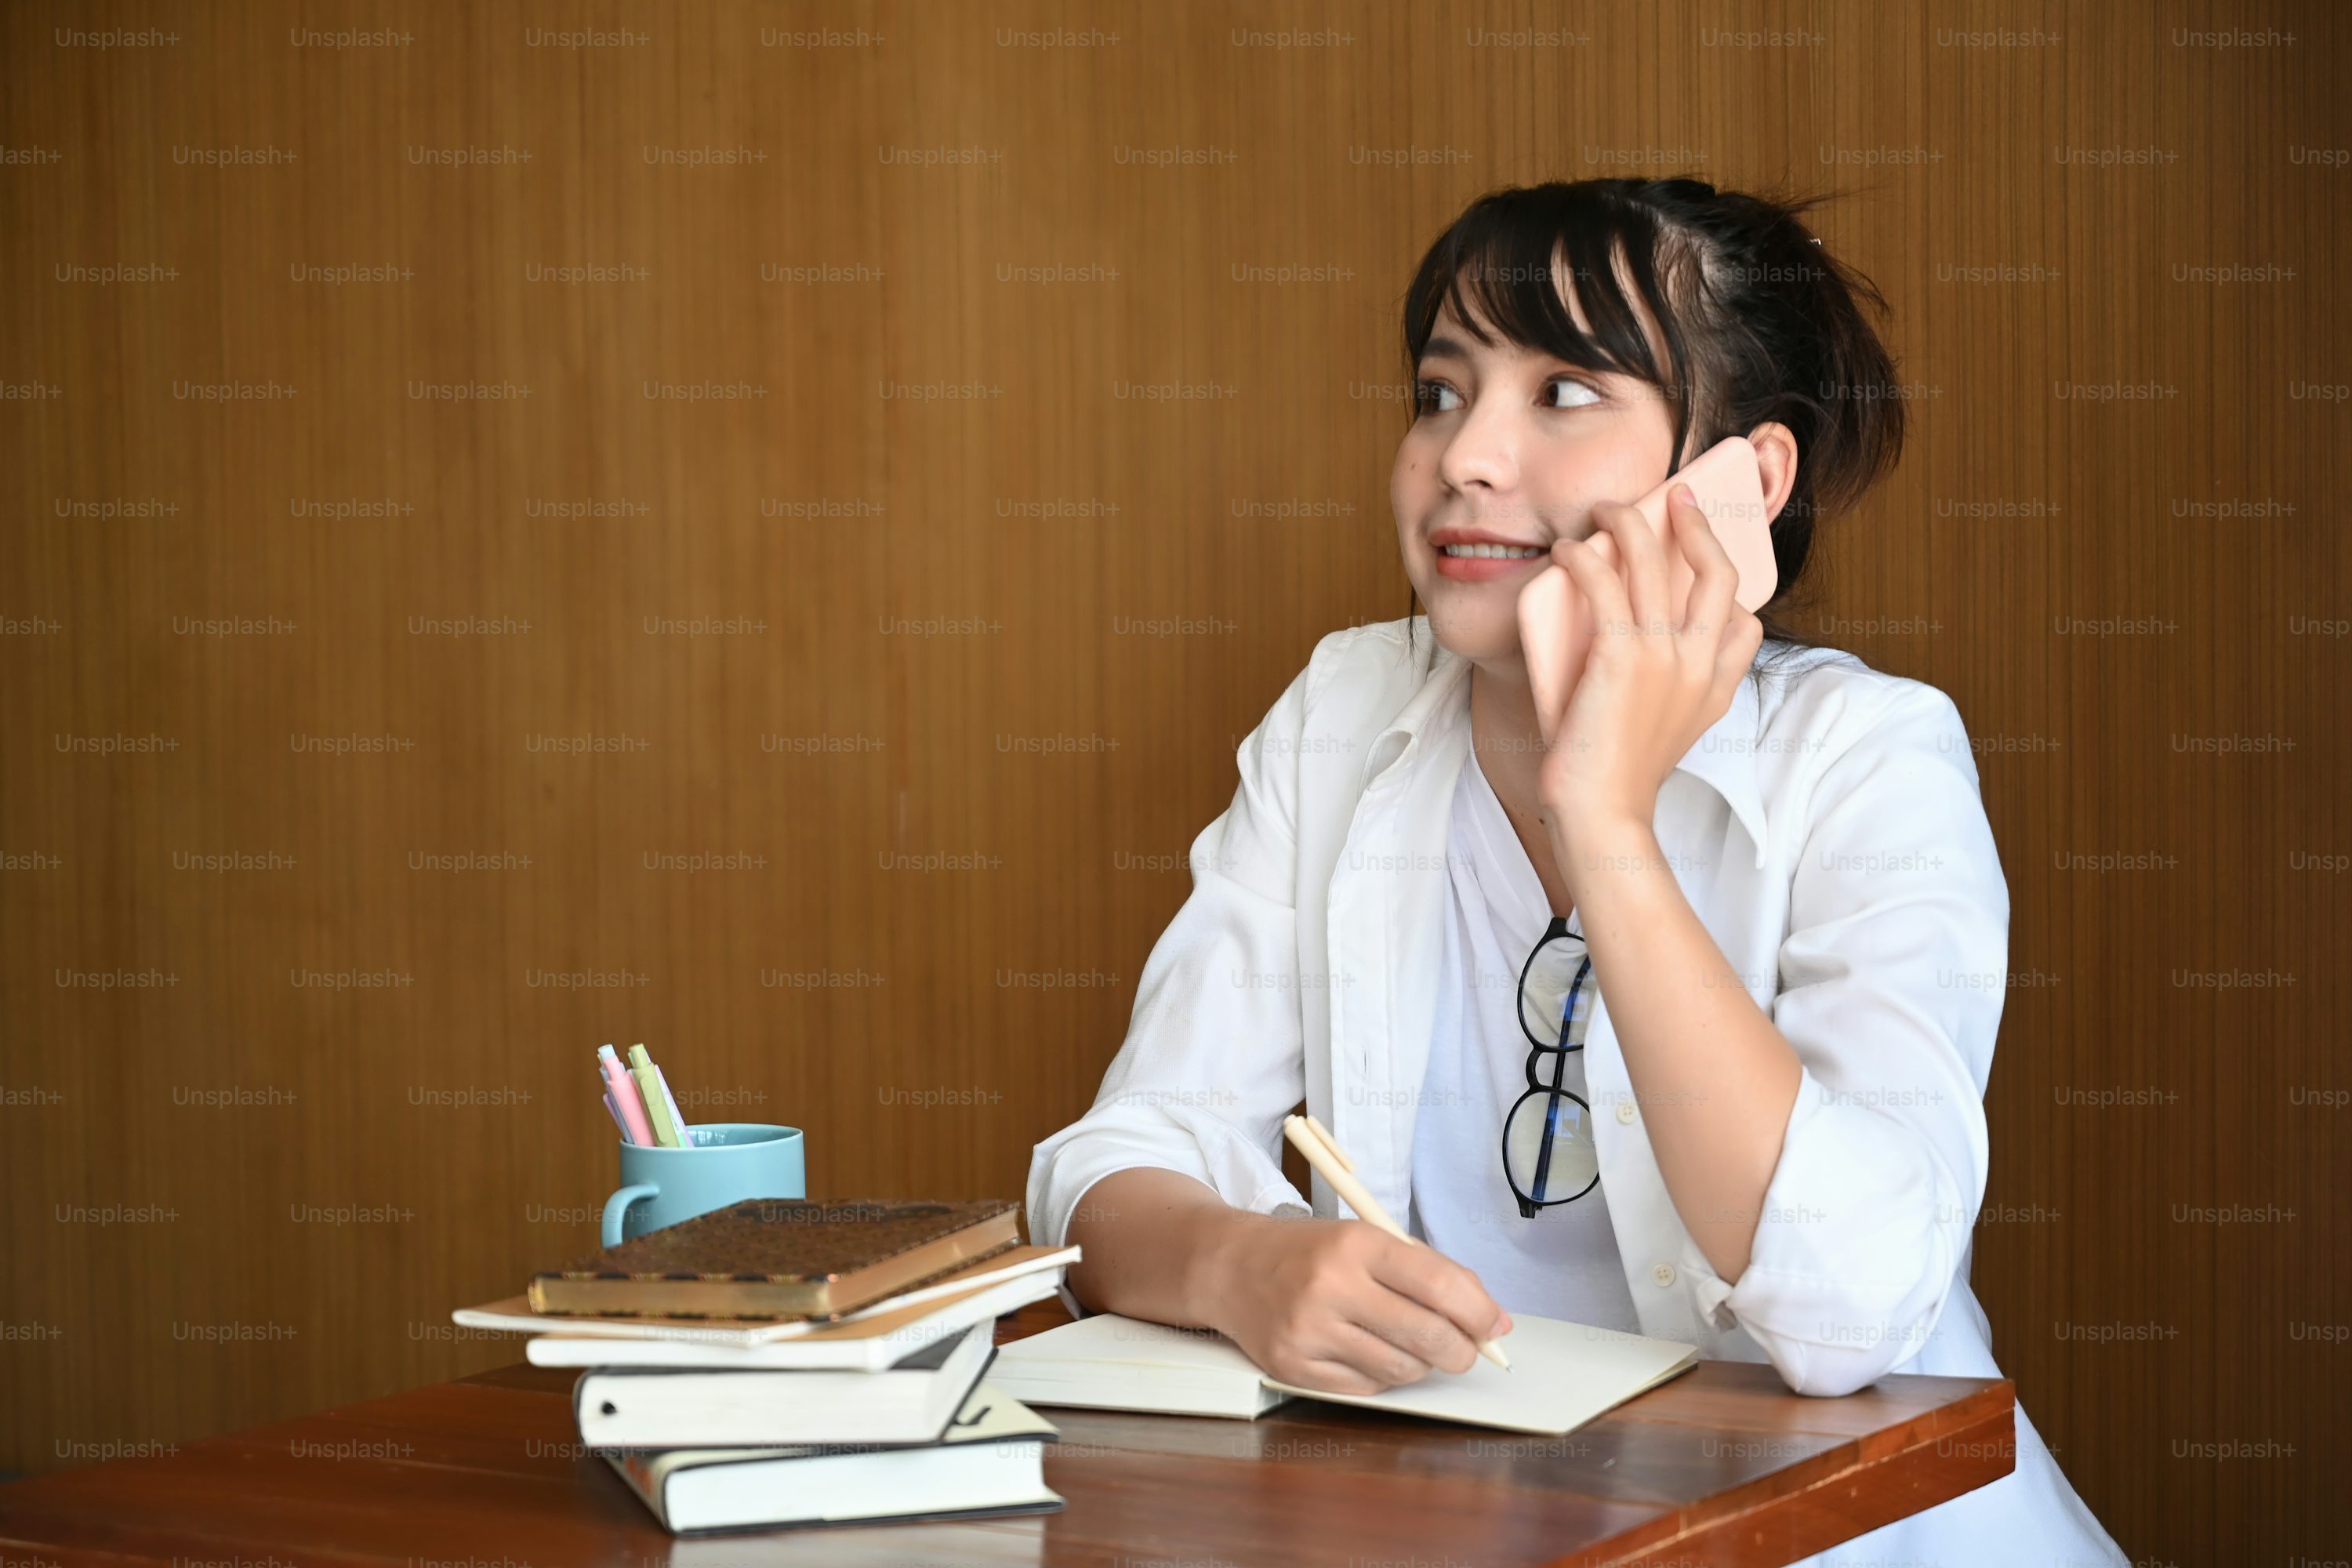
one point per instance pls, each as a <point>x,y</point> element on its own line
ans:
<point>1105,1341</point>
<point>1563,1375</point>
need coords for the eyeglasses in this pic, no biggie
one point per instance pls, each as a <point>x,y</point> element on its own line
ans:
<point>1549,1155</point>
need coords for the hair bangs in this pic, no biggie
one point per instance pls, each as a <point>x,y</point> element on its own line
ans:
<point>1499,267</point>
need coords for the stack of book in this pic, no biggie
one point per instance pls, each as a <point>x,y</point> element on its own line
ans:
<point>784,1362</point>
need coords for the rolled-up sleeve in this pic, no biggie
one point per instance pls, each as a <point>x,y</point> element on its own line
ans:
<point>1213,1057</point>
<point>1891,982</point>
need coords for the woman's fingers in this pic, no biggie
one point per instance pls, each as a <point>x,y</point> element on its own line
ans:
<point>1715,580</point>
<point>1644,555</point>
<point>1546,612</point>
<point>1391,1348</point>
<point>1333,1377</point>
<point>1445,1290</point>
<point>1361,1330</point>
<point>1345,1306</point>
<point>1429,1338</point>
<point>1734,655</point>
<point>1598,580</point>
<point>1391,1339</point>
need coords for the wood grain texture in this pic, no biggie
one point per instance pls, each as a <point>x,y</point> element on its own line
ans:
<point>1015,495</point>
<point>1720,1466</point>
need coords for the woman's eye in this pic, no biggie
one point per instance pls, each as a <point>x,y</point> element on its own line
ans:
<point>1573,394</point>
<point>1428,397</point>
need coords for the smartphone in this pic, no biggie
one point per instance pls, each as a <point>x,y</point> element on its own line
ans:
<point>1730,488</point>
<point>1555,622</point>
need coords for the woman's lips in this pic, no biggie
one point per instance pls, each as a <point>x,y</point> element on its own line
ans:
<point>1486,568</point>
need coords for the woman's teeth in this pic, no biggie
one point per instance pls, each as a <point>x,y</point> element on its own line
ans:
<point>1492,552</point>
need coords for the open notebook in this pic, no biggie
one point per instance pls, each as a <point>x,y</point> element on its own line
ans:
<point>1562,1374</point>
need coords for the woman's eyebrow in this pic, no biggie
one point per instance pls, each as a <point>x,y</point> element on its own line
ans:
<point>1444,348</point>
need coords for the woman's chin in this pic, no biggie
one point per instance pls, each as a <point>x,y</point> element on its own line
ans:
<point>1480,639</point>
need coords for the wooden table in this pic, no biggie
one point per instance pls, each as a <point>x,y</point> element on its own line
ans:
<point>1721,1466</point>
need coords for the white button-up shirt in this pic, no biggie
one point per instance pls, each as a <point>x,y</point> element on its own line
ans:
<point>1830,836</point>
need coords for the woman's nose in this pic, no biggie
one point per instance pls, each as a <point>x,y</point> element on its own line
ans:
<point>1482,452</point>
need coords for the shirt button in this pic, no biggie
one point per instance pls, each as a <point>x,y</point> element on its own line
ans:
<point>1663,1274</point>
<point>1625,1111</point>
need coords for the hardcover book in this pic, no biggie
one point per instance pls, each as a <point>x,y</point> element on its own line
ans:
<point>989,1464</point>
<point>774,1258</point>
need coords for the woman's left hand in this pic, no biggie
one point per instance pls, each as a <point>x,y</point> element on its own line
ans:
<point>1650,687</point>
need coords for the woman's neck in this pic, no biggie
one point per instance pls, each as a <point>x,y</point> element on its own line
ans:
<point>1509,744</point>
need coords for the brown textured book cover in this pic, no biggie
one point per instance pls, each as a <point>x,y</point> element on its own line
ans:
<point>794,1255</point>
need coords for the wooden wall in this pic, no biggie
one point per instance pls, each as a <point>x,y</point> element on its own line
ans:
<point>819,440</point>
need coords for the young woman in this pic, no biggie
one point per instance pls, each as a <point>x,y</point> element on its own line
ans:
<point>1670,1010</point>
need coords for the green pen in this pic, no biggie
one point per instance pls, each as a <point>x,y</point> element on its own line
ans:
<point>655,1094</point>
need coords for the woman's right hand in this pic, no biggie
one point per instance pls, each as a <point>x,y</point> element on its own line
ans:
<point>1343,1306</point>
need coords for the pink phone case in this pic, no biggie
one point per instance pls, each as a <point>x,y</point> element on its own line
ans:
<point>1730,488</point>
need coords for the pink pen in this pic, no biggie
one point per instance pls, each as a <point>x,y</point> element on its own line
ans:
<point>634,1125</point>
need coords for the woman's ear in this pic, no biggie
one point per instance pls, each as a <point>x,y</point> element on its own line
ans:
<point>1776,461</point>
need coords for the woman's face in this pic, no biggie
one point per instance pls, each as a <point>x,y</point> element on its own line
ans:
<point>1509,450</point>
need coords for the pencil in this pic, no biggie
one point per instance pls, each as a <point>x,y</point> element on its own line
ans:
<point>1322,1151</point>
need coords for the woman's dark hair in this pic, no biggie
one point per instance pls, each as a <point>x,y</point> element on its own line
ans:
<point>1758,322</point>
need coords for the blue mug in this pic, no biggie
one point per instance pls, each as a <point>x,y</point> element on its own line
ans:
<point>730,1161</point>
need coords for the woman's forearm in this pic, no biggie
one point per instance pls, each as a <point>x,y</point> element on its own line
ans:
<point>1150,1238</point>
<point>1714,1081</point>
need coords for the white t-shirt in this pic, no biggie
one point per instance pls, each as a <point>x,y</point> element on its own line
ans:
<point>1564,1263</point>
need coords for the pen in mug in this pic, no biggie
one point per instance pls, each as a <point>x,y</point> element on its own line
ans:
<point>677,1117</point>
<point>658,1105</point>
<point>1323,1152</point>
<point>635,1127</point>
